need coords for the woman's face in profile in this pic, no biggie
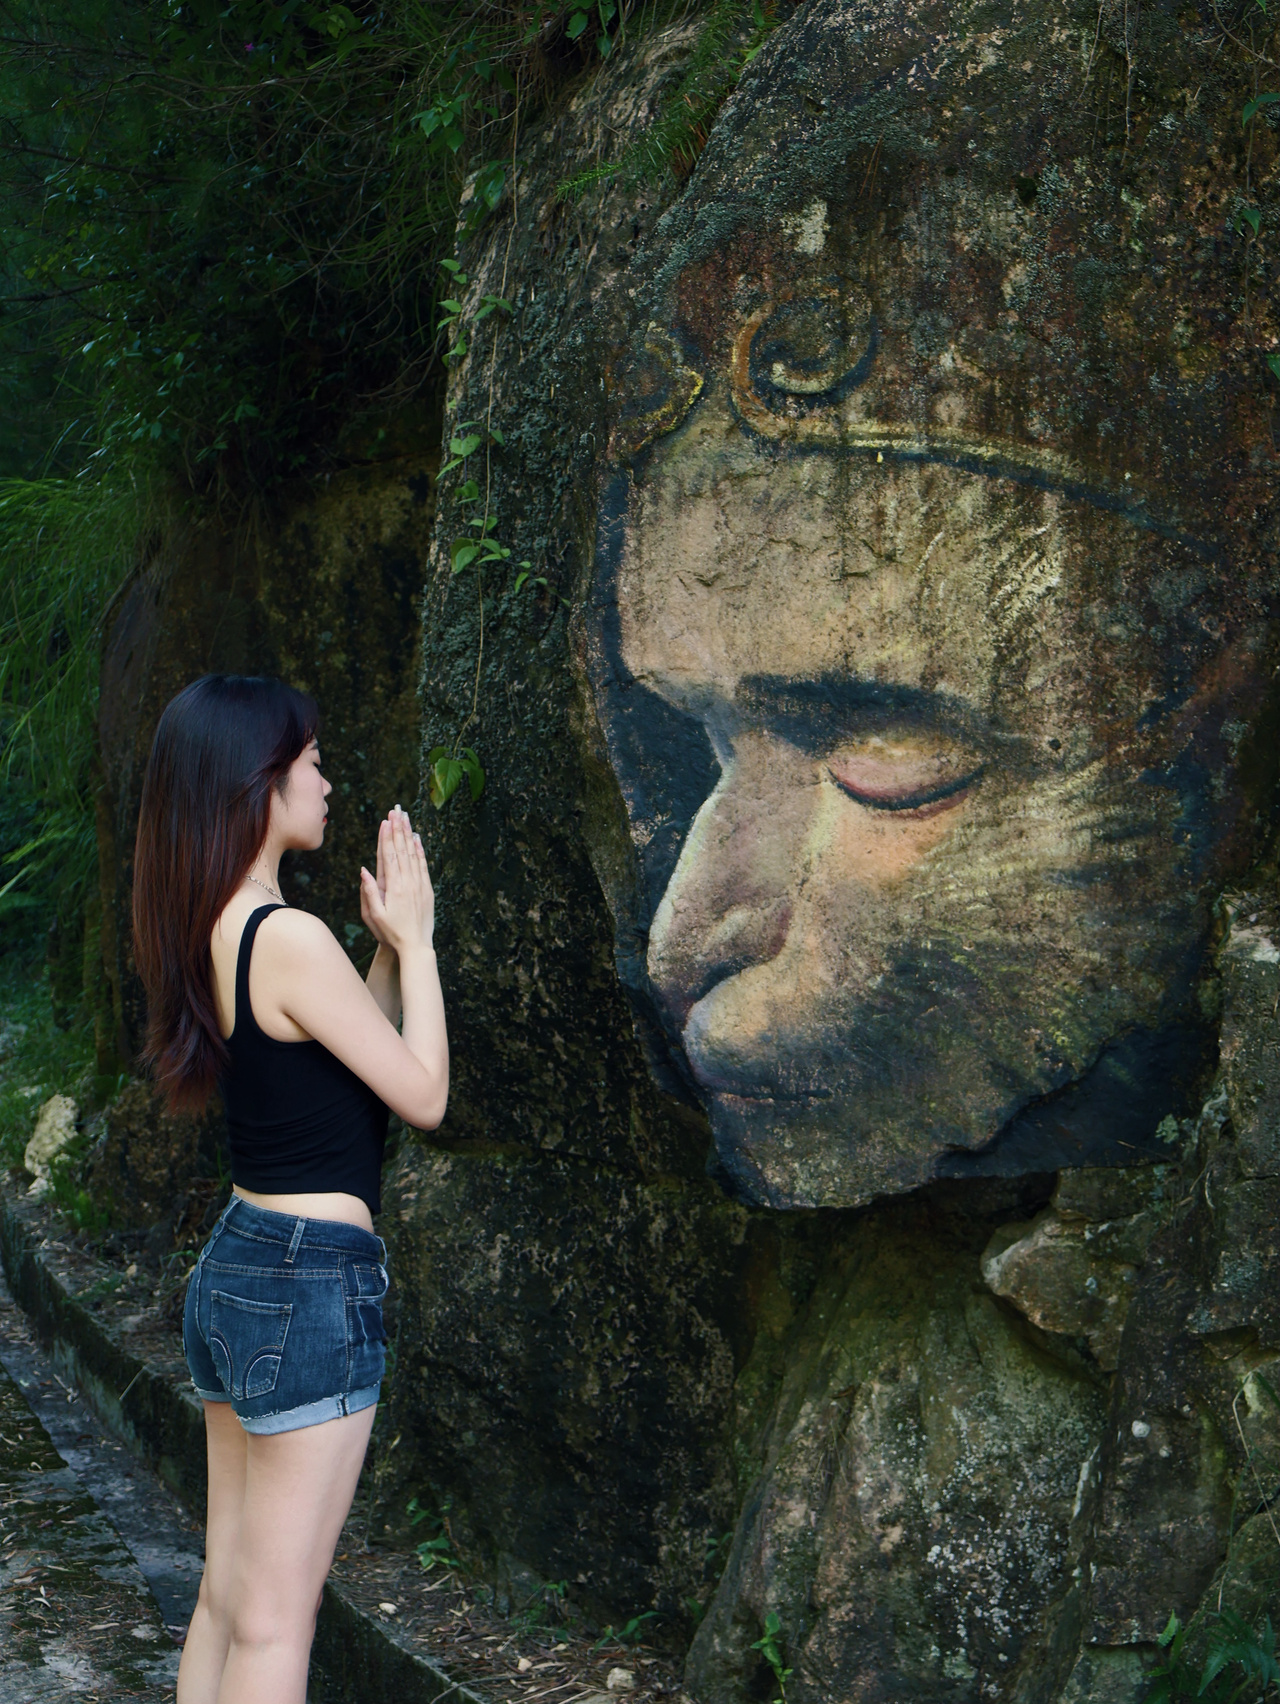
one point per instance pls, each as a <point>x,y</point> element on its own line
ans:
<point>299,813</point>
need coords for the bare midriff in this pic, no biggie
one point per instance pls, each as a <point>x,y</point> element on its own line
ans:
<point>324,1204</point>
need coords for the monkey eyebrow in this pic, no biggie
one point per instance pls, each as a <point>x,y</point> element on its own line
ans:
<point>812,713</point>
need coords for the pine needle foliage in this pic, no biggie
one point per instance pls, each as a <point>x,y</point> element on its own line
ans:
<point>728,39</point>
<point>67,546</point>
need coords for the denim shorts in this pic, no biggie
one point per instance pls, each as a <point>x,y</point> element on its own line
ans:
<point>283,1318</point>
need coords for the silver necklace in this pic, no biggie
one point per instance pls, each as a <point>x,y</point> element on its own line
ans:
<point>268,888</point>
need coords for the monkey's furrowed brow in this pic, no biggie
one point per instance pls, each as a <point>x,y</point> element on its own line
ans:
<point>814,714</point>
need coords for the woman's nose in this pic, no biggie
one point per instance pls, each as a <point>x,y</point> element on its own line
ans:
<point>729,902</point>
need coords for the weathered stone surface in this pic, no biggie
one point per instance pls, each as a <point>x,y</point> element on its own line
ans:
<point>1202,1332</point>
<point>158,1172</point>
<point>924,1467</point>
<point>566,1344</point>
<point>55,1129</point>
<point>1039,950</point>
<point>76,1618</point>
<point>1072,1270</point>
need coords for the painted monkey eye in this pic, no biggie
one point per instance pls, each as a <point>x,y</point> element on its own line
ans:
<point>919,779</point>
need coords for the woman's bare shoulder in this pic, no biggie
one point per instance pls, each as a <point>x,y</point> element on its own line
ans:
<point>298,936</point>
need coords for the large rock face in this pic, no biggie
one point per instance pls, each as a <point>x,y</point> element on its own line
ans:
<point>860,783</point>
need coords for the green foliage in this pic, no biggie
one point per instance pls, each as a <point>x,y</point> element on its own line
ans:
<point>446,774</point>
<point>771,1650</point>
<point>628,1634</point>
<point>225,242</point>
<point>84,1211</point>
<point>1240,1664</point>
<point>67,545</point>
<point>1254,107</point>
<point>217,219</point>
<point>728,39</point>
<point>37,1057</point>
<point>438,1550</point>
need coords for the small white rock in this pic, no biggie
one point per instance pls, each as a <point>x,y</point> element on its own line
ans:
<point>55,1127</point>
<point>620,1680</point>
<point>525,1664</point>
<point>388,1609</point>
<point>144,1632</point>
<point>1140,1429</point>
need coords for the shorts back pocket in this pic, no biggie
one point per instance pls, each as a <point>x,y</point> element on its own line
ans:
<point>246,1340</point>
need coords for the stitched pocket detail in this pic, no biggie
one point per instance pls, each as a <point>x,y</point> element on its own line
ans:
<point>246,1340</point>
<point>367,1285</point>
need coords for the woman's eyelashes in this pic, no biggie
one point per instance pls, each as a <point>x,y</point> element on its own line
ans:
<point>905,776</point>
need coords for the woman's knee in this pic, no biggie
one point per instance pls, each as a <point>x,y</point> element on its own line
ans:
<point>214,1598</point>
<point>258,1620</point>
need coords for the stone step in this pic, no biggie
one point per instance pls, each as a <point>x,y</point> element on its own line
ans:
<point>78,1618</point>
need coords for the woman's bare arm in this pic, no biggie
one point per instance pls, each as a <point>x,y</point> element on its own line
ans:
<point>301,972</point>
<point>383,982</point>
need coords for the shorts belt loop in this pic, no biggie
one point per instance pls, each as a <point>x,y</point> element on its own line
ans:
<point>298,1229</point>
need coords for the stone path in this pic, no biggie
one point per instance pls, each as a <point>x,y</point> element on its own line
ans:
<point>98,1565</point>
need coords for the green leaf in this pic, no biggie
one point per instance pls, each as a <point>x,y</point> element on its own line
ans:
<point>462,553</point>
<point>465,446</point>
<point>455,267</point>
<point>577,23</point>
<point>1171,1628</point>
<point>468,491</point>
<point>446,775</point>
<point>1249,216</point>
<point>490,182</point>
<point>474,772</point>
<point>1255,106</point>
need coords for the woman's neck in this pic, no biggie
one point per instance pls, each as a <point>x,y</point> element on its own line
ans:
<point>266,871</point>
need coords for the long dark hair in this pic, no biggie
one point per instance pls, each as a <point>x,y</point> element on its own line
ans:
<point>221,747</point>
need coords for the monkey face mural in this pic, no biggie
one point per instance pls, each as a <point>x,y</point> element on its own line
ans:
<point>926,733</point>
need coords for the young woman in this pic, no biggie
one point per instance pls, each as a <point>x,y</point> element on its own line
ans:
<point>283,1325</point>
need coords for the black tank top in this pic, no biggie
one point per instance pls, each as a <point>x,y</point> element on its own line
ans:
<point>298,1119</point>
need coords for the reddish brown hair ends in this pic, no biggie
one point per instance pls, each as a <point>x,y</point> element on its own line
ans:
<point>221,747</point>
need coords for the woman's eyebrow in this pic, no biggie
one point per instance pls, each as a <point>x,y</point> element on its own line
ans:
<point>810,712</point>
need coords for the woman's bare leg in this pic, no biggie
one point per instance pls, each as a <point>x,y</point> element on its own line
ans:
<point>205,1652</point>
<point>297,1492</point>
